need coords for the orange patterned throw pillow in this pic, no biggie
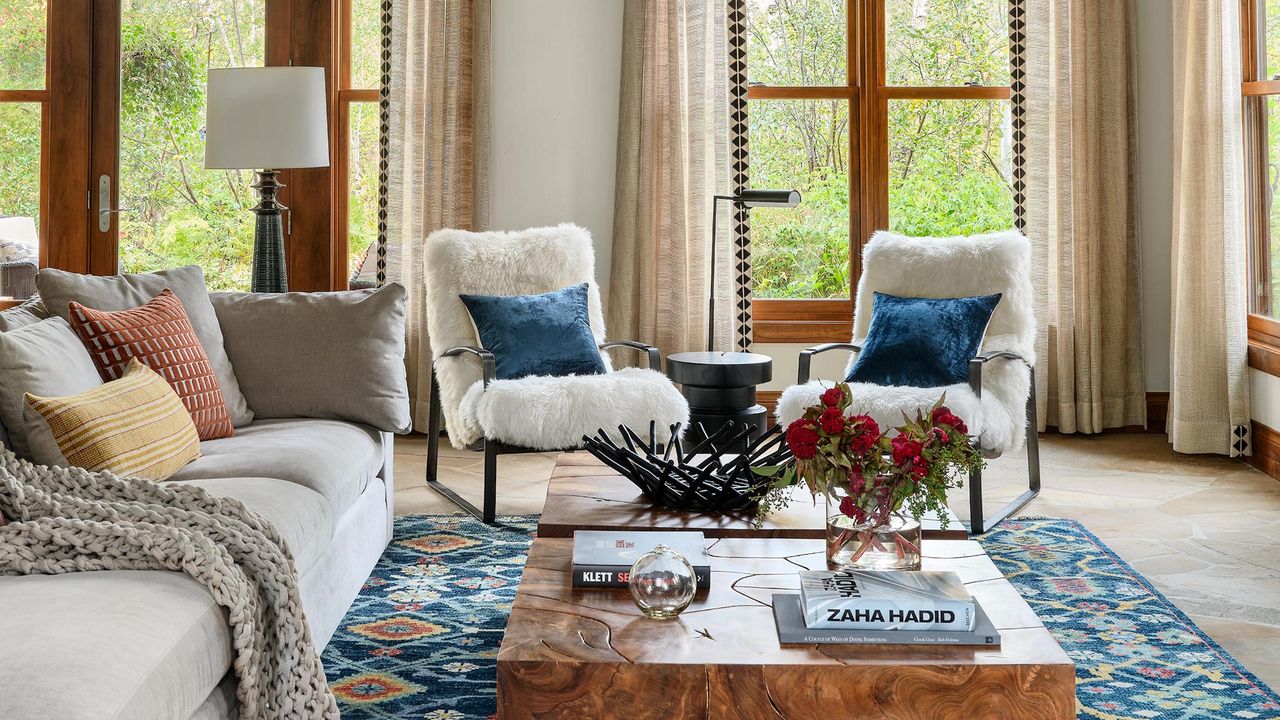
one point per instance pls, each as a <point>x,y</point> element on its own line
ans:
<point>159,334</point>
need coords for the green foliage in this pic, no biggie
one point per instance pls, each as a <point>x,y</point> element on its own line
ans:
<point>948,164</point>
<point>181,212</point>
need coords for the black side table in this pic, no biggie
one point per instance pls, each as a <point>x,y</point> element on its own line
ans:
<point>721,388</point>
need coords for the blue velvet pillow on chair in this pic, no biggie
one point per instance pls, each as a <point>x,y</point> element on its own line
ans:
<point>922,342</point>
<point>547,334</point>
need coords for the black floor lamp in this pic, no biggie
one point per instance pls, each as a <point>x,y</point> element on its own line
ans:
<point>721,386</point>
<point>749,199</point>
<point>267,119</point>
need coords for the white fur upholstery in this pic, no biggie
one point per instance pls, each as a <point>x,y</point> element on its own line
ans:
<point>535,412</point>
<point>553,413</point>
<point>948,267</point>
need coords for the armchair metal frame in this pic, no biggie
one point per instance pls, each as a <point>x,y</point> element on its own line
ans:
<point>978,523</point>
<point>492,448</point>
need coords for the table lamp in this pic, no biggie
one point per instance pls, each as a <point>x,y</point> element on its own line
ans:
<point>267,119</point>
<point>750,199</point>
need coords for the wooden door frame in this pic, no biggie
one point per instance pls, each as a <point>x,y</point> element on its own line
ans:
<point>298,32</point>
<point>64,152</point>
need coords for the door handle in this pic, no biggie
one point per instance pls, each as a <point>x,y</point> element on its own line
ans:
<point>105,211</point>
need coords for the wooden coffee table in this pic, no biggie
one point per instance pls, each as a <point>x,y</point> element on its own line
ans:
<point>586,494</point>
<point>577,654</point>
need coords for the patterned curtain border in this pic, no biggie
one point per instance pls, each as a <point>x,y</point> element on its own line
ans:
<point>739,157</point>
<point>1018,108</point>
<point>384,140</point>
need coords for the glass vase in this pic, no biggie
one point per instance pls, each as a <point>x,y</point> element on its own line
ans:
<point>890,545</point>
<point>662,583</point>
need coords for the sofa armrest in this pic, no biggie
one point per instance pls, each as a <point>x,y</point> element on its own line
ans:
<point>655,355</point>
<point>806,357</point>
<point>487,362</point>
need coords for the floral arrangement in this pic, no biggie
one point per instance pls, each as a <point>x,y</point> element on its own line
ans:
<point>874,473</point>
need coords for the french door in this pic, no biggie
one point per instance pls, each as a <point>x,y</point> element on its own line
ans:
<point>102,108</point>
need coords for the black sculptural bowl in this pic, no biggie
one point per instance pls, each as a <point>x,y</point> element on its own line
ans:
<point>703,478</point>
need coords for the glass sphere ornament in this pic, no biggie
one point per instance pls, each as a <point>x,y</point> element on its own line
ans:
<point>662,583</point>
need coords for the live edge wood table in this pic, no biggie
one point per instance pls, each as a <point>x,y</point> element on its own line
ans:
<point>585,654</point>
<point>586,494</point>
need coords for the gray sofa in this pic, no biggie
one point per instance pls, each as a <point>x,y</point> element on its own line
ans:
<point>149,644</point>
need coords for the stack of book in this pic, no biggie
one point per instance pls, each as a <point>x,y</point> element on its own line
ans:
<point>887,606</point>
<point>603,558</point>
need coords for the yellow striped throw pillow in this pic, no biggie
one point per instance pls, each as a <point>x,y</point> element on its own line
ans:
<point>135,426</point>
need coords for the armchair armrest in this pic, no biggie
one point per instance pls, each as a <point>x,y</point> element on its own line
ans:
<point>655,355</point>
<point>806,357</point>
<point>975,367</point>
<point>487,361</point>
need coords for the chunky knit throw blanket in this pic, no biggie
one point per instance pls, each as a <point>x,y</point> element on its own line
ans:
<point>72,520</point>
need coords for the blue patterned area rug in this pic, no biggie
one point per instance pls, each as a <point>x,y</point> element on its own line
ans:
<point>422,639</point>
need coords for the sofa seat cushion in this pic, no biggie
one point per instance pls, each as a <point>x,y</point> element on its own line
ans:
<point>122,644</point>
<point>554,413</point>
<point>334,458</point>
<point>302,516</point>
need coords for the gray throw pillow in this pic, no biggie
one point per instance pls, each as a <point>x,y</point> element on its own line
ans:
<point>43,359</point>
<point>335,355</point>
<point>123,292</point>
<point>29,312</point>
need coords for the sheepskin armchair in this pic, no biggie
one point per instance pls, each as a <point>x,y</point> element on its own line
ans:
<point>531,413</point>
<point>998,401</point>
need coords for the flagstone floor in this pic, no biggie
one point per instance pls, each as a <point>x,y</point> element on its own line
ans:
<point>1204,530</point>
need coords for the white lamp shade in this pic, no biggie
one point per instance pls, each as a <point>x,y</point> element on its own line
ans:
<point>266,118</point>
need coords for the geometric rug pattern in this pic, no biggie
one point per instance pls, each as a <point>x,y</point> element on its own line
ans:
<point>1136,654</point>
<point>422,639</point>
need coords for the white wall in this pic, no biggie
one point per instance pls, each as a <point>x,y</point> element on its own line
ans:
<point>556,68</point>
<point>1155,182</point>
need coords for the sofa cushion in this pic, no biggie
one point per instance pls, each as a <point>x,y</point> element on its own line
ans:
<point>43,359</point>
<point>302,516</point>
<point>543,334</point>
<point>30,312</point>
<point>135,426</point>
<point>158,333</point>
<point>119,644</point>
<point>337,355</point>
<point>334,458</point>
<point>121,292</point>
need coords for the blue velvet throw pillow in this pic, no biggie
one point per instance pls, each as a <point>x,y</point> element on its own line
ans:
<point>922,342</point>
<point>547,334</point>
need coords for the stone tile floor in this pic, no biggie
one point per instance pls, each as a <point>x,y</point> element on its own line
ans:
<point>1204,530</point>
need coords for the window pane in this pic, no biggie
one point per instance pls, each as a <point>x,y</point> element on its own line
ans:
<point>182,214</point>
<point>366,44</point>
<point>949,167</point>
<point>1266,254</point>
<point>19,197</point>
<point>1269,27</point>
<point>362,217</point>
<point>946,42</point>
<point>801,252</point>
<point>23,30</point>
<point>797,42</point>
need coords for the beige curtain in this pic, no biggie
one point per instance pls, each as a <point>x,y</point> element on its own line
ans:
<point>1208,398</point>
<point>437,150</point>
<point>1081,213</point>
<point>673,157</point>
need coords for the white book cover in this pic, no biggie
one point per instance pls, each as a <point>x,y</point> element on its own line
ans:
<point>885,600</point>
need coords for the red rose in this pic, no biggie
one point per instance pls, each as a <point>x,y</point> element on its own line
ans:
<point>942,415</point>
<point>832,421</point>
<point>847,506</point>
<point>802,439</point>
<point>904,449</point>
<point>832,397</point>
<point>865,437</point>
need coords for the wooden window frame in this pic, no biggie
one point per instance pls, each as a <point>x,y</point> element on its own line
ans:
<point>341,151</point>
<point>831,320</point>
<point>1264,331</point>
